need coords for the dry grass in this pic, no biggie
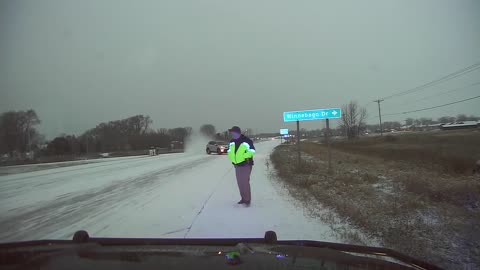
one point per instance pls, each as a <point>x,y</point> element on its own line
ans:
<point>462,192</point>
<point>412,206</point>
<point>452,152</point>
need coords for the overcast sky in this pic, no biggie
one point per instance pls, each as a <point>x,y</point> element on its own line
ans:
<point>185,63</point>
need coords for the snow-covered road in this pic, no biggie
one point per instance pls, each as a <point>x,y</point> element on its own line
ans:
<point>175,195</point>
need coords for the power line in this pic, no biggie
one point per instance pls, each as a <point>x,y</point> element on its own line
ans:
<point>447,92</point>
<point>434,107</point>
<point>450,76</point>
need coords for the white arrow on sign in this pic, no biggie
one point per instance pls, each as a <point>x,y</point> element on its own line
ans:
<point>334,113</point>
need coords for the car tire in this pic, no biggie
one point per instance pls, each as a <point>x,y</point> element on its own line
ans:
<point>219,152</point>
<point>208,151</point>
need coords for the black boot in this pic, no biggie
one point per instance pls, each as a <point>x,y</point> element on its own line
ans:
<point>241,201</point>
<point>247,203</point>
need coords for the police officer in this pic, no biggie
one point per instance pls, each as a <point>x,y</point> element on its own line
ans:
<point>241,152</point>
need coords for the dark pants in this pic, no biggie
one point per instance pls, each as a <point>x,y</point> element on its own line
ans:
<point>243,181</point>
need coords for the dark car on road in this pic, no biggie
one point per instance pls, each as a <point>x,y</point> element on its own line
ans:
<point>217,147</point>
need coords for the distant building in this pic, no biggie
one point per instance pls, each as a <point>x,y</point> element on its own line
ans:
<point>433,126</point>
<point>406,128</point>
<point>460,125</point>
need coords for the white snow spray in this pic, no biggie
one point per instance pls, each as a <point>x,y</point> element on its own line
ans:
<point>196,144</point>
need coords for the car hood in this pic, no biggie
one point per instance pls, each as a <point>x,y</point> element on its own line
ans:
<point>84,252</point>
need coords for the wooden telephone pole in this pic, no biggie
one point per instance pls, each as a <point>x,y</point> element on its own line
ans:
<point>379,115</point>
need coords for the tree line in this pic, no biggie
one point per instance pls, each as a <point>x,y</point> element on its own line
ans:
<point>441,120</point>
<point>19,135</point>
<point>129,134</point>
<point>421,122</point>
<point>353,121</point>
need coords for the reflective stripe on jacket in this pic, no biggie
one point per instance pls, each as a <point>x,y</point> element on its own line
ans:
<point>244,153</point>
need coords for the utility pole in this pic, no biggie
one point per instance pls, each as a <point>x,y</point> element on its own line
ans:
<point>379,115</point>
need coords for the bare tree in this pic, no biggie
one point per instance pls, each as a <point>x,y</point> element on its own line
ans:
<point>208,130</point>
<point>446,119</point>
<point>189,130</point>
<point>179,134</point>
<point>18,131</point>
<point>461,117</point>
<point>473,118</point>
<point>409,121</point>
<point>162,131</point>
<point>353,119</point>
<point>426,121</point>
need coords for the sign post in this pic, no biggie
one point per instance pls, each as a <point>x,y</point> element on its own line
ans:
<point>298,143</point>
<point>308,115</point>
<point>283,132</point>
<point>327,141</point>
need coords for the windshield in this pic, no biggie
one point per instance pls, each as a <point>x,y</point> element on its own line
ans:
<point>353,121</point>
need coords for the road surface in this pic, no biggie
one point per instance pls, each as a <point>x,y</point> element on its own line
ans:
<point>174,196</point>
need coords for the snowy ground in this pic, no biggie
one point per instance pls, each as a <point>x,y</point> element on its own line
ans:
<point>6,170</point>
<point>178,195</point>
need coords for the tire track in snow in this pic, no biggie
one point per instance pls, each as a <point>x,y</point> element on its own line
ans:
<point>35,222</point>
<point>8,190</point>
<point>35,168</point>
<point>87,166</point>
<point>204,204</point>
